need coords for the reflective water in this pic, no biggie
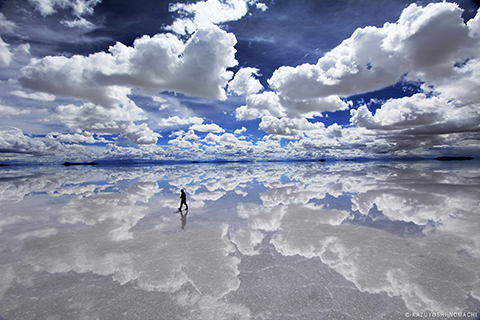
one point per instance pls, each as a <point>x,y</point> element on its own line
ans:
<point>260,241</point>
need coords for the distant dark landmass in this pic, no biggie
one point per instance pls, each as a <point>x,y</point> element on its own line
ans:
<point>140,162</point>
<point>453,158</point>
<point>66,164</point>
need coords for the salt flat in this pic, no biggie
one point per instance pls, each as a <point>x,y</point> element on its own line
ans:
<point>303,240</point>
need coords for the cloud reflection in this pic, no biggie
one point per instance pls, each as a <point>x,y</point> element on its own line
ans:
<point>120,223</point>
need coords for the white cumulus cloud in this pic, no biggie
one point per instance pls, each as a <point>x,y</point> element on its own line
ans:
<point>197,67</point>
<point>78,7</point>
<point>206,13</point>
<point>13,140</point>
<point>39,96</point>
<point>425,43</point>
<point>99,119</point>
<point>7,110</point>
<point>418,122</point>
<point>287,127</point>
<point>5,54</point>
<point>240,131</point>
<point>244,82</point>
<point>142,134</point>
<point>84,137</point>
<point>177,121</point>
<point>431,45</point>
<point>154,64</point>
<point>211,127</point>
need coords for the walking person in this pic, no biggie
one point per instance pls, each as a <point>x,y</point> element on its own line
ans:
<point>183,197</point>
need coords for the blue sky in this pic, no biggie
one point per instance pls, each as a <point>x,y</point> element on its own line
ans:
<point>238,79</point>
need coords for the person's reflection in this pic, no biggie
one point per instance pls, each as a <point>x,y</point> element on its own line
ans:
<point>183,217</point>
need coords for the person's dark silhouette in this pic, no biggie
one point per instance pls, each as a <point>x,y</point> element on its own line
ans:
<point>183,196</point>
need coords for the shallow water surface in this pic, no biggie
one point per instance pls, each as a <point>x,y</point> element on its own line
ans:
<point>302,240</point>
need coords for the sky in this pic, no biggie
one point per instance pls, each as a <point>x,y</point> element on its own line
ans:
<point>238,79</point>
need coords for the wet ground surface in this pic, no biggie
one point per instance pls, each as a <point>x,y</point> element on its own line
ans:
<point>259,241</point>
